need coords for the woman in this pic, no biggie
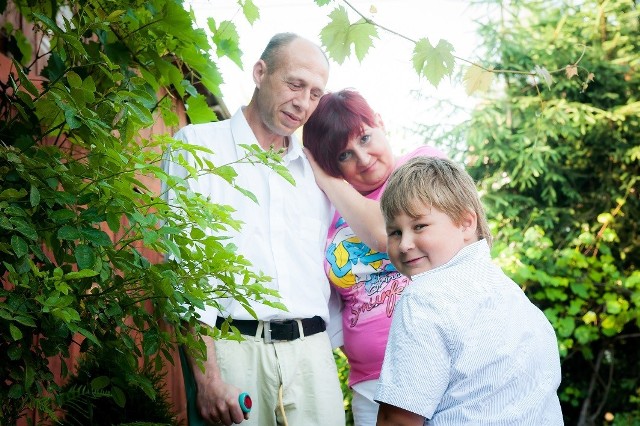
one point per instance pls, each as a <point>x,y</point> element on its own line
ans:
<point>352,159</point>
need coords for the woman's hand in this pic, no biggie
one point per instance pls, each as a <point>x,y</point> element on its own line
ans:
<point>322,178</point>
<point>362,214</point>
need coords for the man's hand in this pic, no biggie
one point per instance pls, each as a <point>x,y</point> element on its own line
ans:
<point>217,403</point>
<point>216,400</point>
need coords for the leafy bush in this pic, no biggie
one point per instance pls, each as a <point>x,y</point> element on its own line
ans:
<point>103,373</point>
<point>81,225</point>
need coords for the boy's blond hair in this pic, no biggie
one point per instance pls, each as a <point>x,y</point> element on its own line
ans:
<point>435,182</point>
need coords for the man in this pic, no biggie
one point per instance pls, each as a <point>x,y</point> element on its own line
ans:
<point>293,379</point>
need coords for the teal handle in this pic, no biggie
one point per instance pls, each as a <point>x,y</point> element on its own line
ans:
<point>245,402</point>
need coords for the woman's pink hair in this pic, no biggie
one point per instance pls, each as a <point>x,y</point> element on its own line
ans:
<point>339,117</point>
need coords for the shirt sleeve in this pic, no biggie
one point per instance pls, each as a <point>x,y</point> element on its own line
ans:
<point>417,362</point>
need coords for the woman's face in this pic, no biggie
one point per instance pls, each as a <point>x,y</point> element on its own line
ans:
<point>367,160</point>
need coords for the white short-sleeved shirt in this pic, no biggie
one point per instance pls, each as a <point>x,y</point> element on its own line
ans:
<point>282,235</point>
<point>467,347</point>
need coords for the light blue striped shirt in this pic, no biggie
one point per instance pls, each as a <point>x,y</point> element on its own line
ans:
<point>467,347</point>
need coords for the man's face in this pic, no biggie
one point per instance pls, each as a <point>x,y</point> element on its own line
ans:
<point>290,94</point>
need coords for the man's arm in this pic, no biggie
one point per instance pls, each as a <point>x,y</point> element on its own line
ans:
<point>390,415</point>
<point>217,401</point>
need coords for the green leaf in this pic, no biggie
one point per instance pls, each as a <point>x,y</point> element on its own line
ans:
<point>169,74</point>
<point>118,396</point>
<point>15,332</point>
<point>84,273</point>
<point>334,34</point>
<point>100,382</point>
<point>477,79</point>
<point>96,236</point>
<point>29,376</point>
<point>433,62</point>
<point>24,79</point>
<point>16,391</point>
<point>34,196</point>
<point>85,256</point>
<point>613,307</point>
<point>28,321</point>
<point>68,233</point>
<point>70,115</point>
<point>251,12</point>
<point>87,334</point>
<point>74,80</point>
<point>138,112</point>
<point>361,34</point>
<point>13,194</point>
<point>24,46</point>
<point>226,40</point>
<point>565,327</point>
<point>62,215</point>
<point>24,228</point>
<point>20,246</point>
<point>339,34</point>
<point>113,221</point>
<point>14,352</point>
<point>198,110</point>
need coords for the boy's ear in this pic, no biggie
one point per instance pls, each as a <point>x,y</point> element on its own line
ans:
<point>470,225</point>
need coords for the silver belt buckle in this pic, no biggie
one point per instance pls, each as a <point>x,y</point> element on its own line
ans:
<point>267,331</point>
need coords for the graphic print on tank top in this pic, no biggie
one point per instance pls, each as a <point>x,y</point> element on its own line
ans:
<point>365,278</point>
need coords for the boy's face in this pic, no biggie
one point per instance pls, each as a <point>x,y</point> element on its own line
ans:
<point>417,245</point>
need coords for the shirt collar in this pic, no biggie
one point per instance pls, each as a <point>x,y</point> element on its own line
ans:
<point>478,248</point>
<point>242,134</point>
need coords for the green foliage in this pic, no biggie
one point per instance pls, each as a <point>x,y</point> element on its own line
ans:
<point>343,374</point>
<point>79,220</point>
<point>104,391</point>
<point>558,170</point>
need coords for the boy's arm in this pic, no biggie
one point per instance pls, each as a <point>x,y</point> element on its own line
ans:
<point>390,415</point>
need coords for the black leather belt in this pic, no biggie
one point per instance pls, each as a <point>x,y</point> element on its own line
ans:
<point>278,330</point>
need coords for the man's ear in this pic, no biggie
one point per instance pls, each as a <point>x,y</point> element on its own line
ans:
<point>259,71</point>
<point>470,225</point>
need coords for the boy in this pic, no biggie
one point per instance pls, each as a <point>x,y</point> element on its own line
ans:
<point>466,346</point>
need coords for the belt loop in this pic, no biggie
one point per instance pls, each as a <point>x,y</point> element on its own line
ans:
<point>259,328</point>
<point>300,329</point>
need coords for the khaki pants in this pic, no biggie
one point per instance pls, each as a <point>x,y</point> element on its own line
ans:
<point>306,370</point>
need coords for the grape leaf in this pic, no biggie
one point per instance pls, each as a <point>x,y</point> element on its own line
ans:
<point>361,34</point>
<point>544,74</point>
<point>571,70</point>
<point>226,39</point>
<point>433,62</point>
<point>339,34</point>
<point>251,11</point>
<point>477,79</point>
<point>198,110</point>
